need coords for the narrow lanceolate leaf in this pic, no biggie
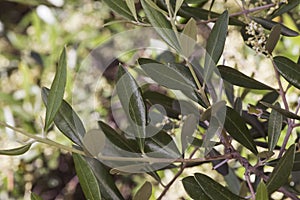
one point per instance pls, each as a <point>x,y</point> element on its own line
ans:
<point>167,76</point>
<point>262,192</point>
<point>288,69</point>
<point>217,37</point>
<point>16,151</point>
<point>188,128</point>
<point>94,141</point>
<point>188,38</point>
<point>274,128</point>
<point>161,25</point>
<point>296,166</point>
<point>193,189</point>
<point>203,187</point>
<point>132,103</point>
<point>34,196</point>
<point>281,172</point>
<point>67,121</point>
<point>87,179</point>
<point>215,46</point>
<point>268,24</point>
<point>120,7</point>
<point>105,180</point>
<point>57,89</point>
<point>236,127</point>
<point>280,110</point>
<point>273,38</point>
<point>144,192</point>
<point>285,8</point>
<point>131,6</point>
<point>235,77</point>
<point>178,5</point>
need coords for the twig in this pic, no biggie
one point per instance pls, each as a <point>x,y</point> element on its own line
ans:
<point>243,12</point>
<point>44,140</point>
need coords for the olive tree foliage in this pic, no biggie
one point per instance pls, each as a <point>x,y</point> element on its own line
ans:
<point>183,106</point>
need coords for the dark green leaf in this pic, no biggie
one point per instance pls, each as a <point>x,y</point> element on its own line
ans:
<point>87,179</point>
<point>57,89</point>
<point>168,76</point>
<point>281,172</point>
<point>217,37</point>
<point>161,25</point>
<point>144,192</point>
<point>262,192</point>
<point>282,111</point>
<point>288,69</point>
<point>67,121</point>
<point>285,8</point>
<point>273,38</point>
<point>34,196</point>
<point>296,166</point>
<point>193,189</point>
<point>274,128</point>
<point>270,97</point>
<point>203,187</point>
<point>16,151</point>
<point>236,127</point>
<point>233,182</point>
<point>214,189</point>
<point>161,145</point>
<point>268,24</point>
<point>133,104</point>
<point>120,7</point>
<point>235,77</point>
<point>202,14</point>
<point>105,180</point>
<point>117,139</point>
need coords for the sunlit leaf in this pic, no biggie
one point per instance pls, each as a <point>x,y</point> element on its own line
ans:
<point>133,104</point>
<point>282,170</point>
<point>261,192</point>
<point>274,128</point>
<point>94,141</point>
<point>87,179</point>
<point>235,77</point>
<point>188,38</point>
<point>273,38</point>
<point>120,7</point>
<point>288,69</point>
<point>67,121</point>
<point>188,128</point>
<point>16,151</point>
<point>178,5</point>
<point>161,25</point>
<point>144,192</point>
<point>268,24</point>
<point>282,111</point>
<point>131,6</point>
<point>57,90</point>
<point>236,127</point>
